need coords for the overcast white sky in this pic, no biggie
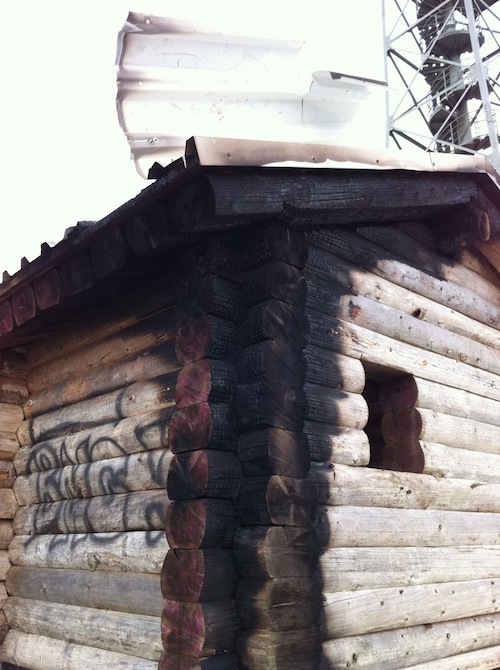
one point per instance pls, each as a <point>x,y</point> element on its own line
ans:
<point>65,158</point>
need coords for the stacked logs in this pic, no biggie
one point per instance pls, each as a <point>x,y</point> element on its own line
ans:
<point>199,621</point>
<point>277,598</point>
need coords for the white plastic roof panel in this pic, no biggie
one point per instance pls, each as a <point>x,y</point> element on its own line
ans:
<point>177,79</point>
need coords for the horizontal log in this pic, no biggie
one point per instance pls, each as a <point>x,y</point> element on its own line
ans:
<point>340,408</point>
<point>390,266</point>
<point>8,504</point>
<point>273,451</point>
<point>268,552</point>
<point>11,417</point>
<point>210,294</point>
<point>366,487</point>
<point>443,461</point>
<point>6,534</point>
<point>274,241</point>
<point>138,433</point>
<point>361,612</point>
<point>4,565</point>
<point>13,364</point>
<point>261,404</point>
<point>203,426</point>
<point>474,260</point>
<point>480,659</point>
<point>144,510</point>
<point>204,474</point>
<point>103,347</point>
<point>199,629</point>
<point>395,649</point>
<point>205,380</point>
<point>193,524</point>
<point>133,634</point>
<point>9,445</point>
<point>129,401</point>
<point>171,661</point>
<point>207,337</point>
<point>134,551</point>
<point>333,370</point>
<point>141,367</point>
<point>12,391</point>
<point>273,320</point>
<point>44,653</point>
<point>271,360</point>
<point>198,575</point>
<point>7,474</point>
<point>282,603</point>
<point>337,444</point>
<point>118,591</point>
<point>280,650</point>
<point>326,271</point>
<point>276,500</point>
<point>380,527</point>
<point>380,350</point>
<point>274,279</point>
<point>362,568</point>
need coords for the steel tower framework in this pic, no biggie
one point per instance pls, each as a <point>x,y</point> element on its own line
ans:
<point>443,70</point>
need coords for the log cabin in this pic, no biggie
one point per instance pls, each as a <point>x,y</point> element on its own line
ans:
<point>251,420</point>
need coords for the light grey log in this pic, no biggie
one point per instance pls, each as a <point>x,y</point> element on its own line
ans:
<point>443,461</point>
<point>368,487</point>
<point>11,417</point>
<point>9,445</point>
<point>472,259</point>
<point>129,401</point>
<point>358,612</point>
<point>330,268</point>
<point>333,370</point>
<point>352,569</point>
<point>337,444</point>
<point>44,653</point>
<point>144,510</point>
<point>118,591</point>
<point>134,551</point>
<point>134,634</point>
<point>380,527</point>
<point>340,408</point>
<point>480,659</point>
<point>137,433</point>
<point>395,649</point>
<point>135,472</point>
<point>8,504</point>
<point>381,350</point>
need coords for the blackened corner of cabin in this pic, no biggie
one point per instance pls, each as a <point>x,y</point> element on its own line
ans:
<point>192,205</point>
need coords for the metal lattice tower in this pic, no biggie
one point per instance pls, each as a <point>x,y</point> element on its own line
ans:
<point>443,70</point>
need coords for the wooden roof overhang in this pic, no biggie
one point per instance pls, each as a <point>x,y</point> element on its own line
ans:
<point>225,185</point>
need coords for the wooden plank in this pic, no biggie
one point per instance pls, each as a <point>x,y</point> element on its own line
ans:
<point>131,634</point>
<point>362,568</point>
<point>135,593</point>
<point>139,367</point>
<point>396,649</point>
<point>135,472</point>
<point>142,432</point>
<point>134,551</point>
<point>38,652</point>
<point>367,487</point>
<point>193,524</point>
<point>380,527</point>
<point>361,612</point>
<point>203,474</point>
<point>144,510</point>
<point>119,404</point>
<point>199,575</point>
<point>337,444</point>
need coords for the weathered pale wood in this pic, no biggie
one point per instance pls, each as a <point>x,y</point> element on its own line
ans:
<point>381,350</point>
<point>141,432</point>
<point>199,629</point>
<point>144,510</point>
<point>389,266</point>
<point>191,524</point>
<point>280,650</point>
<point>266,552</point>
<point>366,487</point>
<point>135,472</point>
<point>100,350</point>
<point>352,569</point>
<point>4,565</point>
<point>203,474</point>
<point>358,612</point>
<point>6,533</point>
<point>205,425</point>
<point>133,634</point>
<point>11,417</point>
<point>199,575</point>
<point>443,461</point>
<point>282,603</point>
<point>133,551</point>
<point>472,259</point>
<point>480,659</point>
<point>38,652</point>
<point>273,451</point>
<point>276,500</point>
<point>329,271</point>
<point>7,474</point>
<point>139,367</point>
<point>396,649</point>
<point>337,443</point>
<point>118,591</point>
<point>125,402</point>
<point>8,504</point>
<point>9,445</point>
<point>380,527</point>
<point>340,408</point>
